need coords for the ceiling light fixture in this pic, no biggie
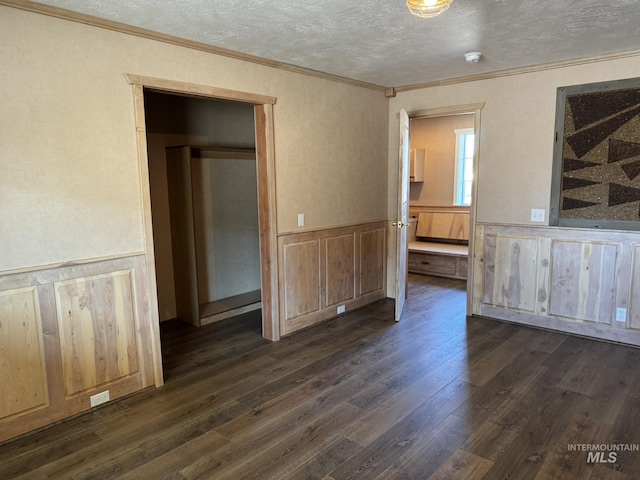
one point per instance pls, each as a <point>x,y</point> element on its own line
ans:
<point>428,8</point>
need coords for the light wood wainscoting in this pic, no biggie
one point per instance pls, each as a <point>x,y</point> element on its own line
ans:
<point>429,228</point>
<point>441,222</point>
<point>579,281</point>
<point>67,333</point>
<point>322,270</point>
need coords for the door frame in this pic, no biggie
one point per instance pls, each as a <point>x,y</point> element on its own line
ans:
<point>265,165</point>
<point>476,109</point>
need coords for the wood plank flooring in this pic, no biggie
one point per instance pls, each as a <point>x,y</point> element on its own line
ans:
<point>435,396</point>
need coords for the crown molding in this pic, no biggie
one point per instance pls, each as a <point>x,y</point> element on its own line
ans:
<point>85,19</point>
<point>521,70</point>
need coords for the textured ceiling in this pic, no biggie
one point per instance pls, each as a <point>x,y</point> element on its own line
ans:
<point>379,41</point>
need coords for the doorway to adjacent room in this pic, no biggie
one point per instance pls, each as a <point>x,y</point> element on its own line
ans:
<point>444,146</point>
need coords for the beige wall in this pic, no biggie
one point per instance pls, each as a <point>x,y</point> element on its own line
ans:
<point>516,136</point>
<point>437,137</point>
<point>68,155</point>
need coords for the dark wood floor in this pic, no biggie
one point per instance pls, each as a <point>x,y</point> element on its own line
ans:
<point>435,396</point>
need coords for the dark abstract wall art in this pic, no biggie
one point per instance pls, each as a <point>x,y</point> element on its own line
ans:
<point>596,163</point>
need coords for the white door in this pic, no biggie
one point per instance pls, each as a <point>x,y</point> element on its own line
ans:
<point>402,220</point>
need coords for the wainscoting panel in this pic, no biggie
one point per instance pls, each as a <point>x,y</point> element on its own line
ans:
<point>372,260</point>
<point>580,281</point>
<point>510,275</point>
<point>583,280</point>
<point>634,303</point>
<point>340,268</point>
<point>23,383</point>
<point>302,278</point>
<point>443,225</point>
<point>70,332</point>
<point>97,336</point>
<point>323,270</point>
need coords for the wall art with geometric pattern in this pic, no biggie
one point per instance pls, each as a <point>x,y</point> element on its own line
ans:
<point>596,164</point>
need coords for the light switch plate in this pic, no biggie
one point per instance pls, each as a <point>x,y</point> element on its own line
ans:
<point>537,214</point>
<point>301,219</point>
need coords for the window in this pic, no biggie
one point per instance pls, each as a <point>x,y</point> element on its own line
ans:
<point>465,147</point>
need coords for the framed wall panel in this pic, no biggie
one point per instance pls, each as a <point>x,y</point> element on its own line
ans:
<point>97,330</point>
<point>634,303</point>
<point>301,278</point>
<point>340,268</point>
<point>583,279</point>
<point>596,162</point>
<point>23,379</point>
<point>372,259</point>
<point>510,276</point>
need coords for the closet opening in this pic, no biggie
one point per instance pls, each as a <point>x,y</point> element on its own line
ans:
<point>204,207</point>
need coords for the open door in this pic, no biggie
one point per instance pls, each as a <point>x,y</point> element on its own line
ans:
<point>402,221</point>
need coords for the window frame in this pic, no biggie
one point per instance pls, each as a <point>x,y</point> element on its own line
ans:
<point>461,159</point>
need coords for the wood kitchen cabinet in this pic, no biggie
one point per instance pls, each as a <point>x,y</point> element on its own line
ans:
<point>416,165</point>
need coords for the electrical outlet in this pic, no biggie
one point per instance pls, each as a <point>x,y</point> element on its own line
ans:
<point>301,219</point>
<point>341,309</point>
<point>621,314</point>
<point>99,398</point>
<point>537,214</point>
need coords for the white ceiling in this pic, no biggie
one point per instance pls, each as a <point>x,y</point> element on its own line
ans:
<point>379,41</point>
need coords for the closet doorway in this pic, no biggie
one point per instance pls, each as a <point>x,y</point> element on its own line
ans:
<point>203,182</point>
<point>262,133</point>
